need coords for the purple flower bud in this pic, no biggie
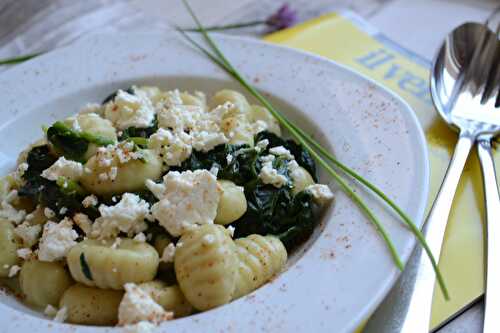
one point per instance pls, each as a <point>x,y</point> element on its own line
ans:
<point>283,18</point>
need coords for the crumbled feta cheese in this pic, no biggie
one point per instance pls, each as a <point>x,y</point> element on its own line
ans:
<point>24,253</point>
<point>261,145</point>
<point>63,210</point>
<point>190,198</point>
<point>281,151</point>
<point>173,148</point>
<point>20,170</point>
<point>206,140</point>
<point>108,158</point>
<point>230,229</point>
<point>50,311</point>
<point>63,168</point>
<point>127,216</point>
<point>90,201</point>
<point>168,253</point>
<point>61,315</point>
<point>229,158</point>
<point>9,212</point>
<point>179,118</point>
<point>137,305</point>
<point>259,126</point>
<point>116,243</point>
<point>203,127</point>
<point>127,110</point>
<point>269,175</point>
<point>158,190</point>
<point>57,239</point>
<point>140,237</point>
<point>140,327</point>
<point>83,222</point>
<point>214,170</point>
<point>320,192</point>
<point>28,233</point>
<point>14,269</point>
<point>49,213</point>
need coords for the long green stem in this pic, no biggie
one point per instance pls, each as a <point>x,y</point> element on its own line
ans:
<point>414,229</point>
<point>16,60</point>
<point>302,136</point>
<point>227,27</point>
<point>225,64</point>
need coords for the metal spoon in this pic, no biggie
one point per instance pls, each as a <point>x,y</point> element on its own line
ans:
<point>457,98</point>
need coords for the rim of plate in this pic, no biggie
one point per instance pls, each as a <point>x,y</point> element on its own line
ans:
<point>35,68</point>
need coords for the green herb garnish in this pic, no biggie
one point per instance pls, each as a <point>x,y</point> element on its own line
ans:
<point>318,153</point>
<point>85,267</point>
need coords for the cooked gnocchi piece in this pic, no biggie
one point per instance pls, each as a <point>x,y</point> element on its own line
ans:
<point>154,205</point>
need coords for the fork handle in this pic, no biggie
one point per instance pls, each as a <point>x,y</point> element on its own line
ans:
<point>492,200</point>
<point>417,317</point>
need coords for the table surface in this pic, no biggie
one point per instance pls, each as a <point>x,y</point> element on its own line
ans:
<point>400,20</point>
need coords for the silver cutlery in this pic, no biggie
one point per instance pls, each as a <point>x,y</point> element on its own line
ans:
<point>491,97</point>
<point>458,82</point>
<point>464,94</point>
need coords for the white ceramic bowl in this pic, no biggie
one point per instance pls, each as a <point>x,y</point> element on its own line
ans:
<point>337,279</point>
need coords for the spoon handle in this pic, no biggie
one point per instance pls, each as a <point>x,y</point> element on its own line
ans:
<point>492,199</point>
<point>417,317</point>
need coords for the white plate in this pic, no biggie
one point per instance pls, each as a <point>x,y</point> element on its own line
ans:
<point>345,270</point>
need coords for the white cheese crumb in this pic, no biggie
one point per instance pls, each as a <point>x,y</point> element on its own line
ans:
<point>137,305</point>
<point>281,151</point>
<point>140,237</point>
<point>63,168</point>
<point>57,239</point>
<point>14,270</point>
<point>49,213</point>
<point>90,201</point>
<point>229,158</point>
<point>20,170</point>
<point>129,110</point>
<point>61,315</point>
<point>140,327</point>
<point>63,210</point>
<point>270,175</point>
<point>190,199</point>
<point>230,229</point>
<point>83,222</point>
<point>158,190</point>
<point>320,192</point>
<point>127,216</point>
<point>214,170</point>
<point>9,212</point>
<point>173,148</point>
<point>50,311</point>
<point>261,145</point>
<point>116,243</point>
<point>28,233</point>
<point>24,253</point>
<point>168,254</point>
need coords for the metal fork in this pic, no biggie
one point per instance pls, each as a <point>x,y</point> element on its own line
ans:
<point>471,112</point>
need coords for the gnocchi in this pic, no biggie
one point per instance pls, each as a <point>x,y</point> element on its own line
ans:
<point>91,306</point>
<point>158,210</point>
<point>206,265</point>
<point>100,264</point>
<point>43,283</point>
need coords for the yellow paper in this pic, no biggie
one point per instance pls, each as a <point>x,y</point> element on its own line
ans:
<point>348,40</point>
